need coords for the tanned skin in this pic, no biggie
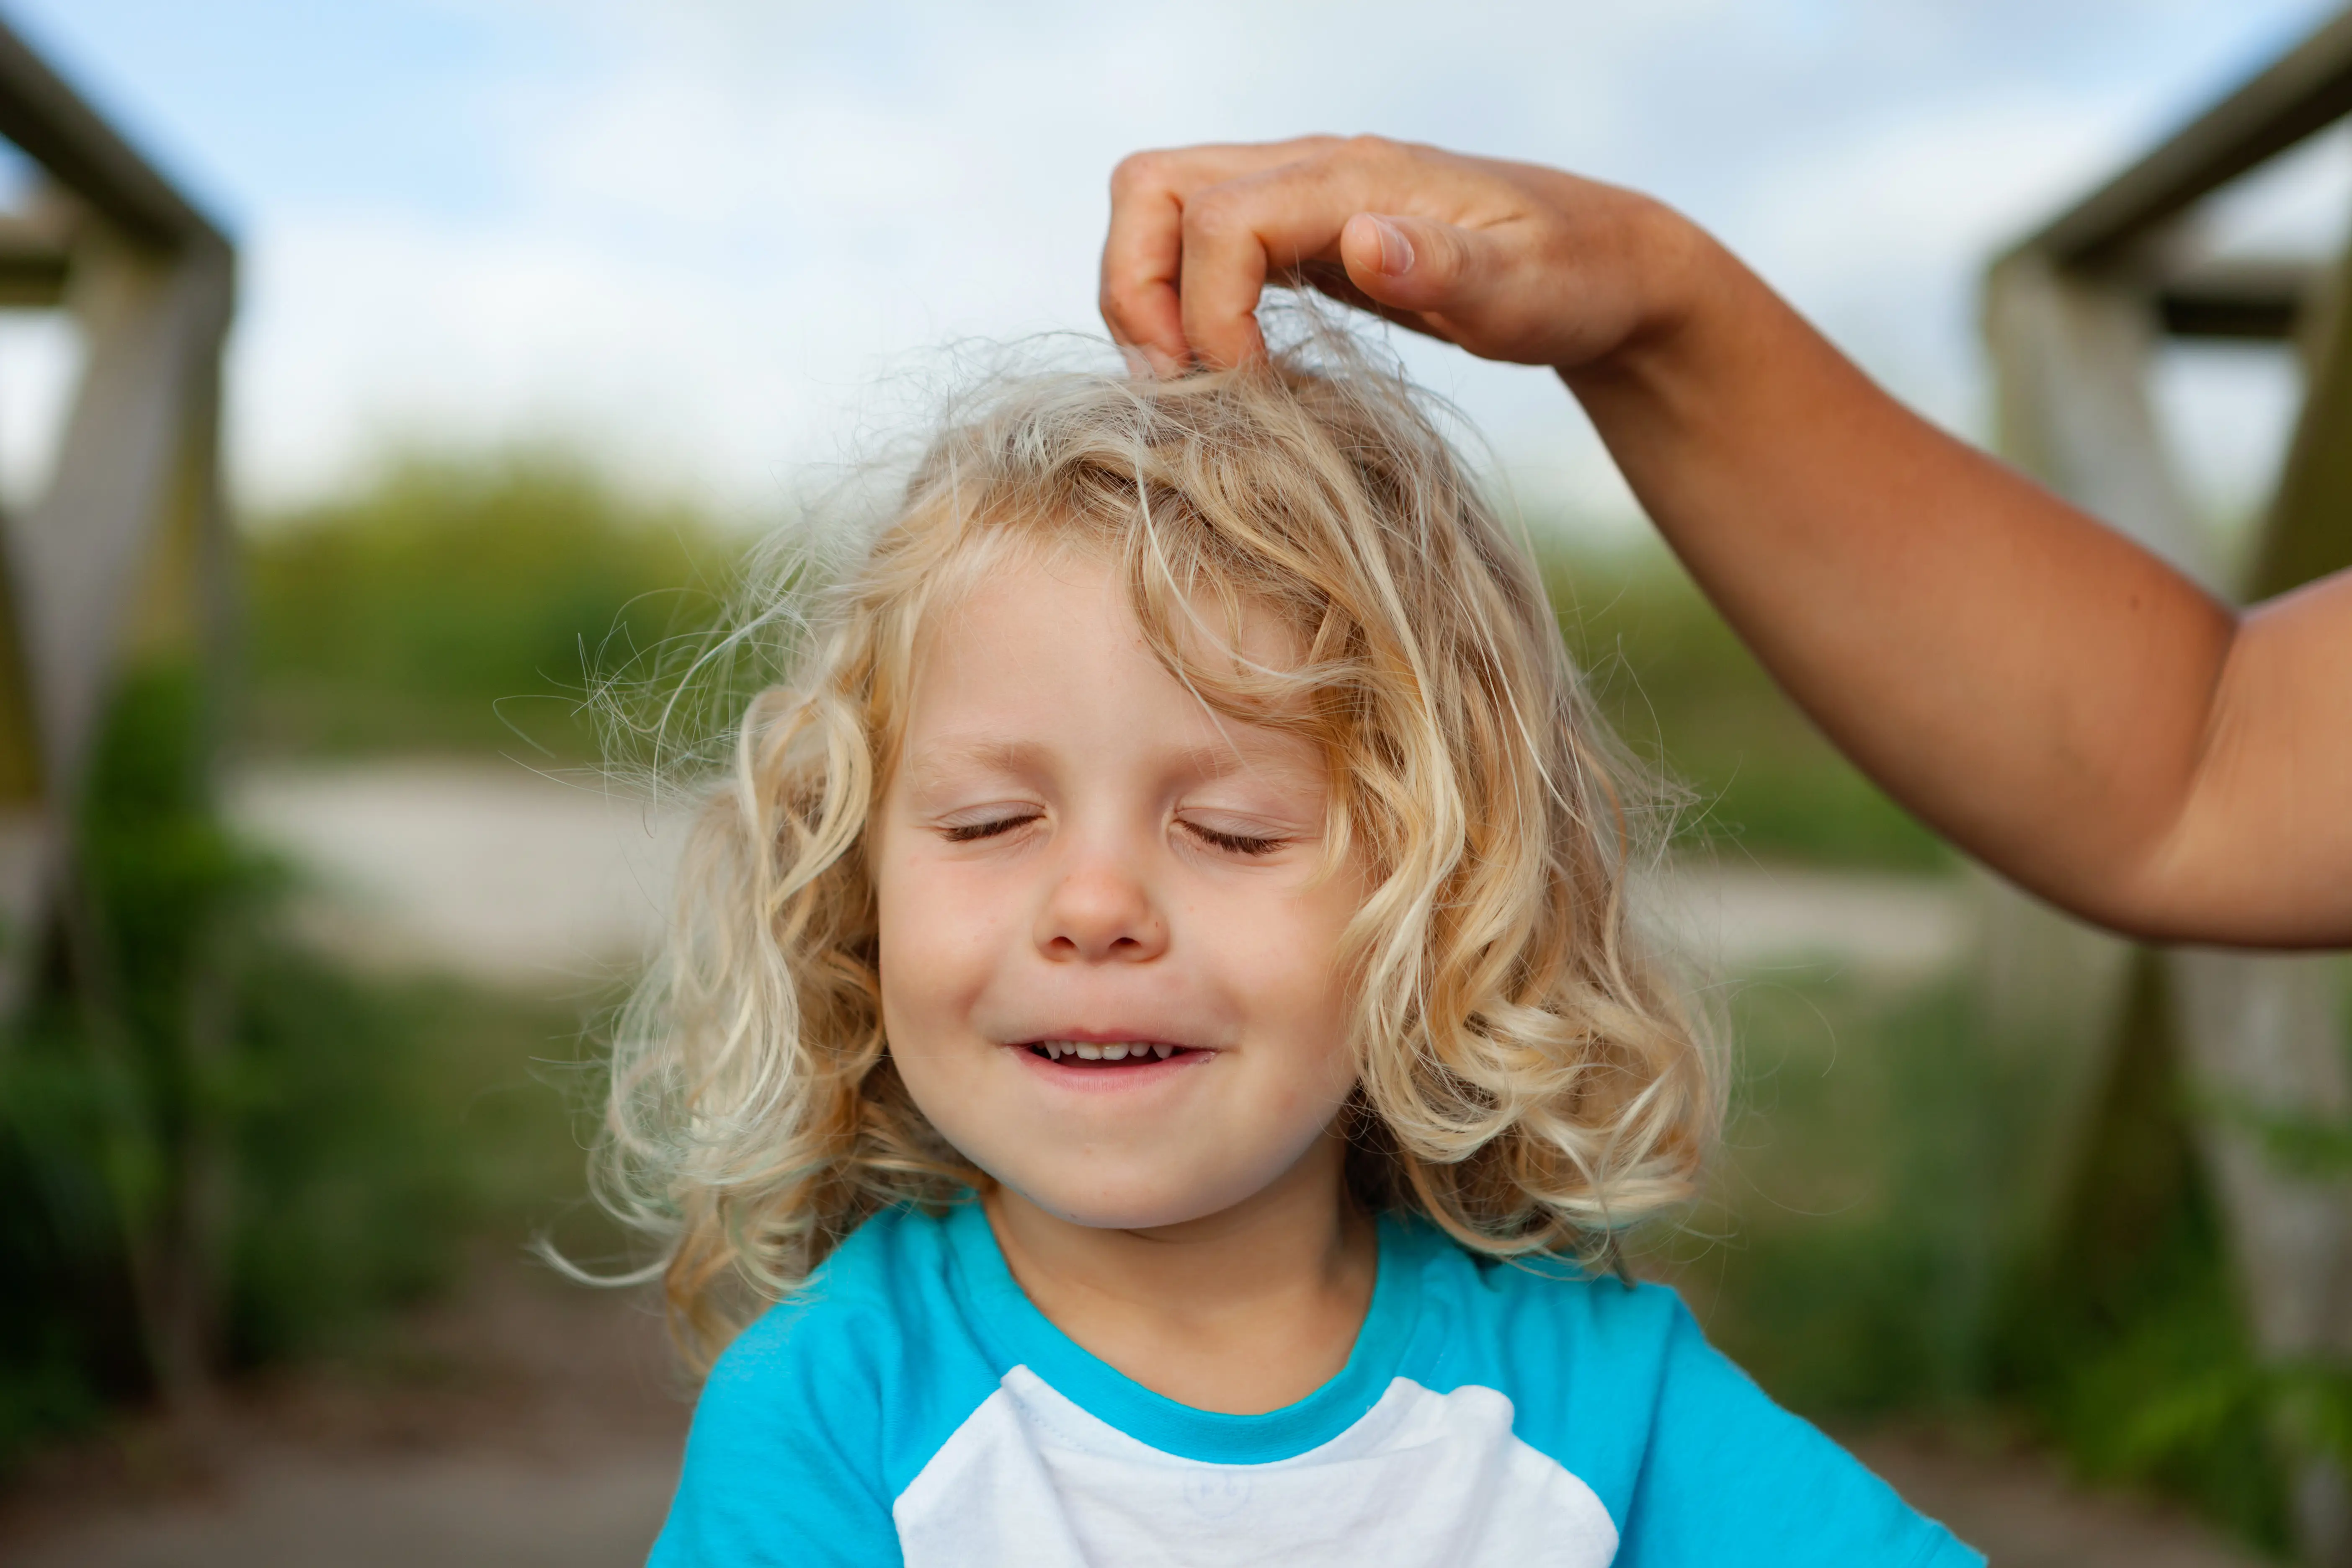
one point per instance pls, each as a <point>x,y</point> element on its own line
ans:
<point>2047,694</point>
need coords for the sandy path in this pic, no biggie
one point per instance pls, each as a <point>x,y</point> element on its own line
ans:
<point>524,1421</point>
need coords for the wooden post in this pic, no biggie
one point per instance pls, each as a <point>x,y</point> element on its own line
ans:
<point>126,552</point>
<point>2071,317</point>
<point>2266,1035</point>
<point>2259,1035</point>
<point>2071,363</point>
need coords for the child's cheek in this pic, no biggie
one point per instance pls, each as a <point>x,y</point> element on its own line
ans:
<point>943,934</point>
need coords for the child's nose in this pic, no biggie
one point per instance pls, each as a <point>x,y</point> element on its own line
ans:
<point>1100,912</point>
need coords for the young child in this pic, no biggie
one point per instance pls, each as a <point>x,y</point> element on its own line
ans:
<point>1156,1011</point>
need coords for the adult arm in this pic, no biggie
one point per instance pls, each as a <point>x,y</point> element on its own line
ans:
<point>2054,698</point>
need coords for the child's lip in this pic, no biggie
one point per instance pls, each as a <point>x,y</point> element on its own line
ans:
<point>1138,1059</point>
<point>1109,1037</point>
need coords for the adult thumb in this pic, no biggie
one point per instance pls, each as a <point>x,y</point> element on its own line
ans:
<point>1411,263</point>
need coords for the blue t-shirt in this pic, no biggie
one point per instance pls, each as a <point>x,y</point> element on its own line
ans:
<point>911,1406</point>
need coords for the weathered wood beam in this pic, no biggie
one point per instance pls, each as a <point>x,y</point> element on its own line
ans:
<point>36,254</point>
<point>2072,357</point>
<point>2309,531</point>
<point>60,131</point>
<point>154,326</point>
<point>2250,301</point>
<point>2260,1035</point>
<point>2307,90</point>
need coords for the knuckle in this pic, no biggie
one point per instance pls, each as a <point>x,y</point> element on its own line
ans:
<point>1212,217</point>
<point>1141,170</point>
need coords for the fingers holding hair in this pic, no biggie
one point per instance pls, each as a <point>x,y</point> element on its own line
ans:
<point>1143,254</point>
<point>1197,234</point>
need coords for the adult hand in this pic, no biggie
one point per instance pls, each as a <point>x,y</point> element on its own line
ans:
<point>1511,261</point>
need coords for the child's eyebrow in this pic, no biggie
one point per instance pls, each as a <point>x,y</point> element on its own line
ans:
<point>974,751</point>
<point>1257,755</point>
<point>1272,757</point>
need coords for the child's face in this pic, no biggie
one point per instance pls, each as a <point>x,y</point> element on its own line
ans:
<point>1075,852</point>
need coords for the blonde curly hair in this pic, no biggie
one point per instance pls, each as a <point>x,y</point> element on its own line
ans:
<point>1530,1078</point>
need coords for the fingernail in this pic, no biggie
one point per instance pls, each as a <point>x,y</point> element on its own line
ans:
<point>1396,250</point>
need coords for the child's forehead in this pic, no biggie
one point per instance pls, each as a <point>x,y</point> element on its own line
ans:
<point>1052,644</point>
<point>1214,620</point>
<point>1237,751</point>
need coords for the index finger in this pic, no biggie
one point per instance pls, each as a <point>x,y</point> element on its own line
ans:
<point>1142,260</point>
<point>1270,221</point>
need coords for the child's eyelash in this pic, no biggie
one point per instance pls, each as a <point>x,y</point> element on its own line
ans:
<point>969,832</point>
<point>1233,843</point>
<point>1238,843</point>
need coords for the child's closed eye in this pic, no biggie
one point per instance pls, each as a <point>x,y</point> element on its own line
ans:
<point>1231,842</point>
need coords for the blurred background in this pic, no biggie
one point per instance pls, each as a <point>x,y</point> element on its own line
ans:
<point>545,314</point>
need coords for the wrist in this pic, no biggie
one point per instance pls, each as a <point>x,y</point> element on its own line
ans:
<point>1672,268</point>
<point>1681,288</point>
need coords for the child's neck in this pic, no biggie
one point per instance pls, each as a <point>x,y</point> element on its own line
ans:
<point>1244,1311</point>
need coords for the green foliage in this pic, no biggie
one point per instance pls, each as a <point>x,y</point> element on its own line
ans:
<point>297,1148</point>
<point>1681,687</point>
<point>466,605</point>
<point>2146,1377</point>
<point>1856,1198</point>
<point>1874,1252</point>
<point>2316,1148</point>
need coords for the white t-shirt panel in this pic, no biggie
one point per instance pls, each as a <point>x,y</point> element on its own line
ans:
<point>1423,1480</point>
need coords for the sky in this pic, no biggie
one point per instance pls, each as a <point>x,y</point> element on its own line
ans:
<point>709,243</point>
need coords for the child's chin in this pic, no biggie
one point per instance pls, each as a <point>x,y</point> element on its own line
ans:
<point>1143,1202</point>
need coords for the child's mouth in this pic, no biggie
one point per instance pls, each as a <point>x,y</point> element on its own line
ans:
<point>1109,1054</point>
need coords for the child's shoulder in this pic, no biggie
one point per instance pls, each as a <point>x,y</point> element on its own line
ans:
<point>870,1273</point>
<point>1543,1296</point>
<point>882,1326</point>
<point>891,1271</point>
<point>847,1386</point>
<point>1617,1384</point>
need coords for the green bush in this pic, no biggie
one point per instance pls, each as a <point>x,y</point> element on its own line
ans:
<point>1857,1198</point>
<point>201,1122</point>
<point>466,605</point>
<point>1681,689</point>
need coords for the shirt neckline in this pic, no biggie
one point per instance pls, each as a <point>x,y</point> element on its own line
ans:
<point>1022,1335</point>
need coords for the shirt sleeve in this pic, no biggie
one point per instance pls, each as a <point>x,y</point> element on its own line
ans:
<point>782,1466</point>
<point>1730,1478</point>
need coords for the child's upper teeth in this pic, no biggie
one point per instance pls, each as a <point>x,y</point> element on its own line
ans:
<point>1118,1051</point>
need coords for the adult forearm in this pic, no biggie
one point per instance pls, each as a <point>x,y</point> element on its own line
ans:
<point>2031,683</point>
